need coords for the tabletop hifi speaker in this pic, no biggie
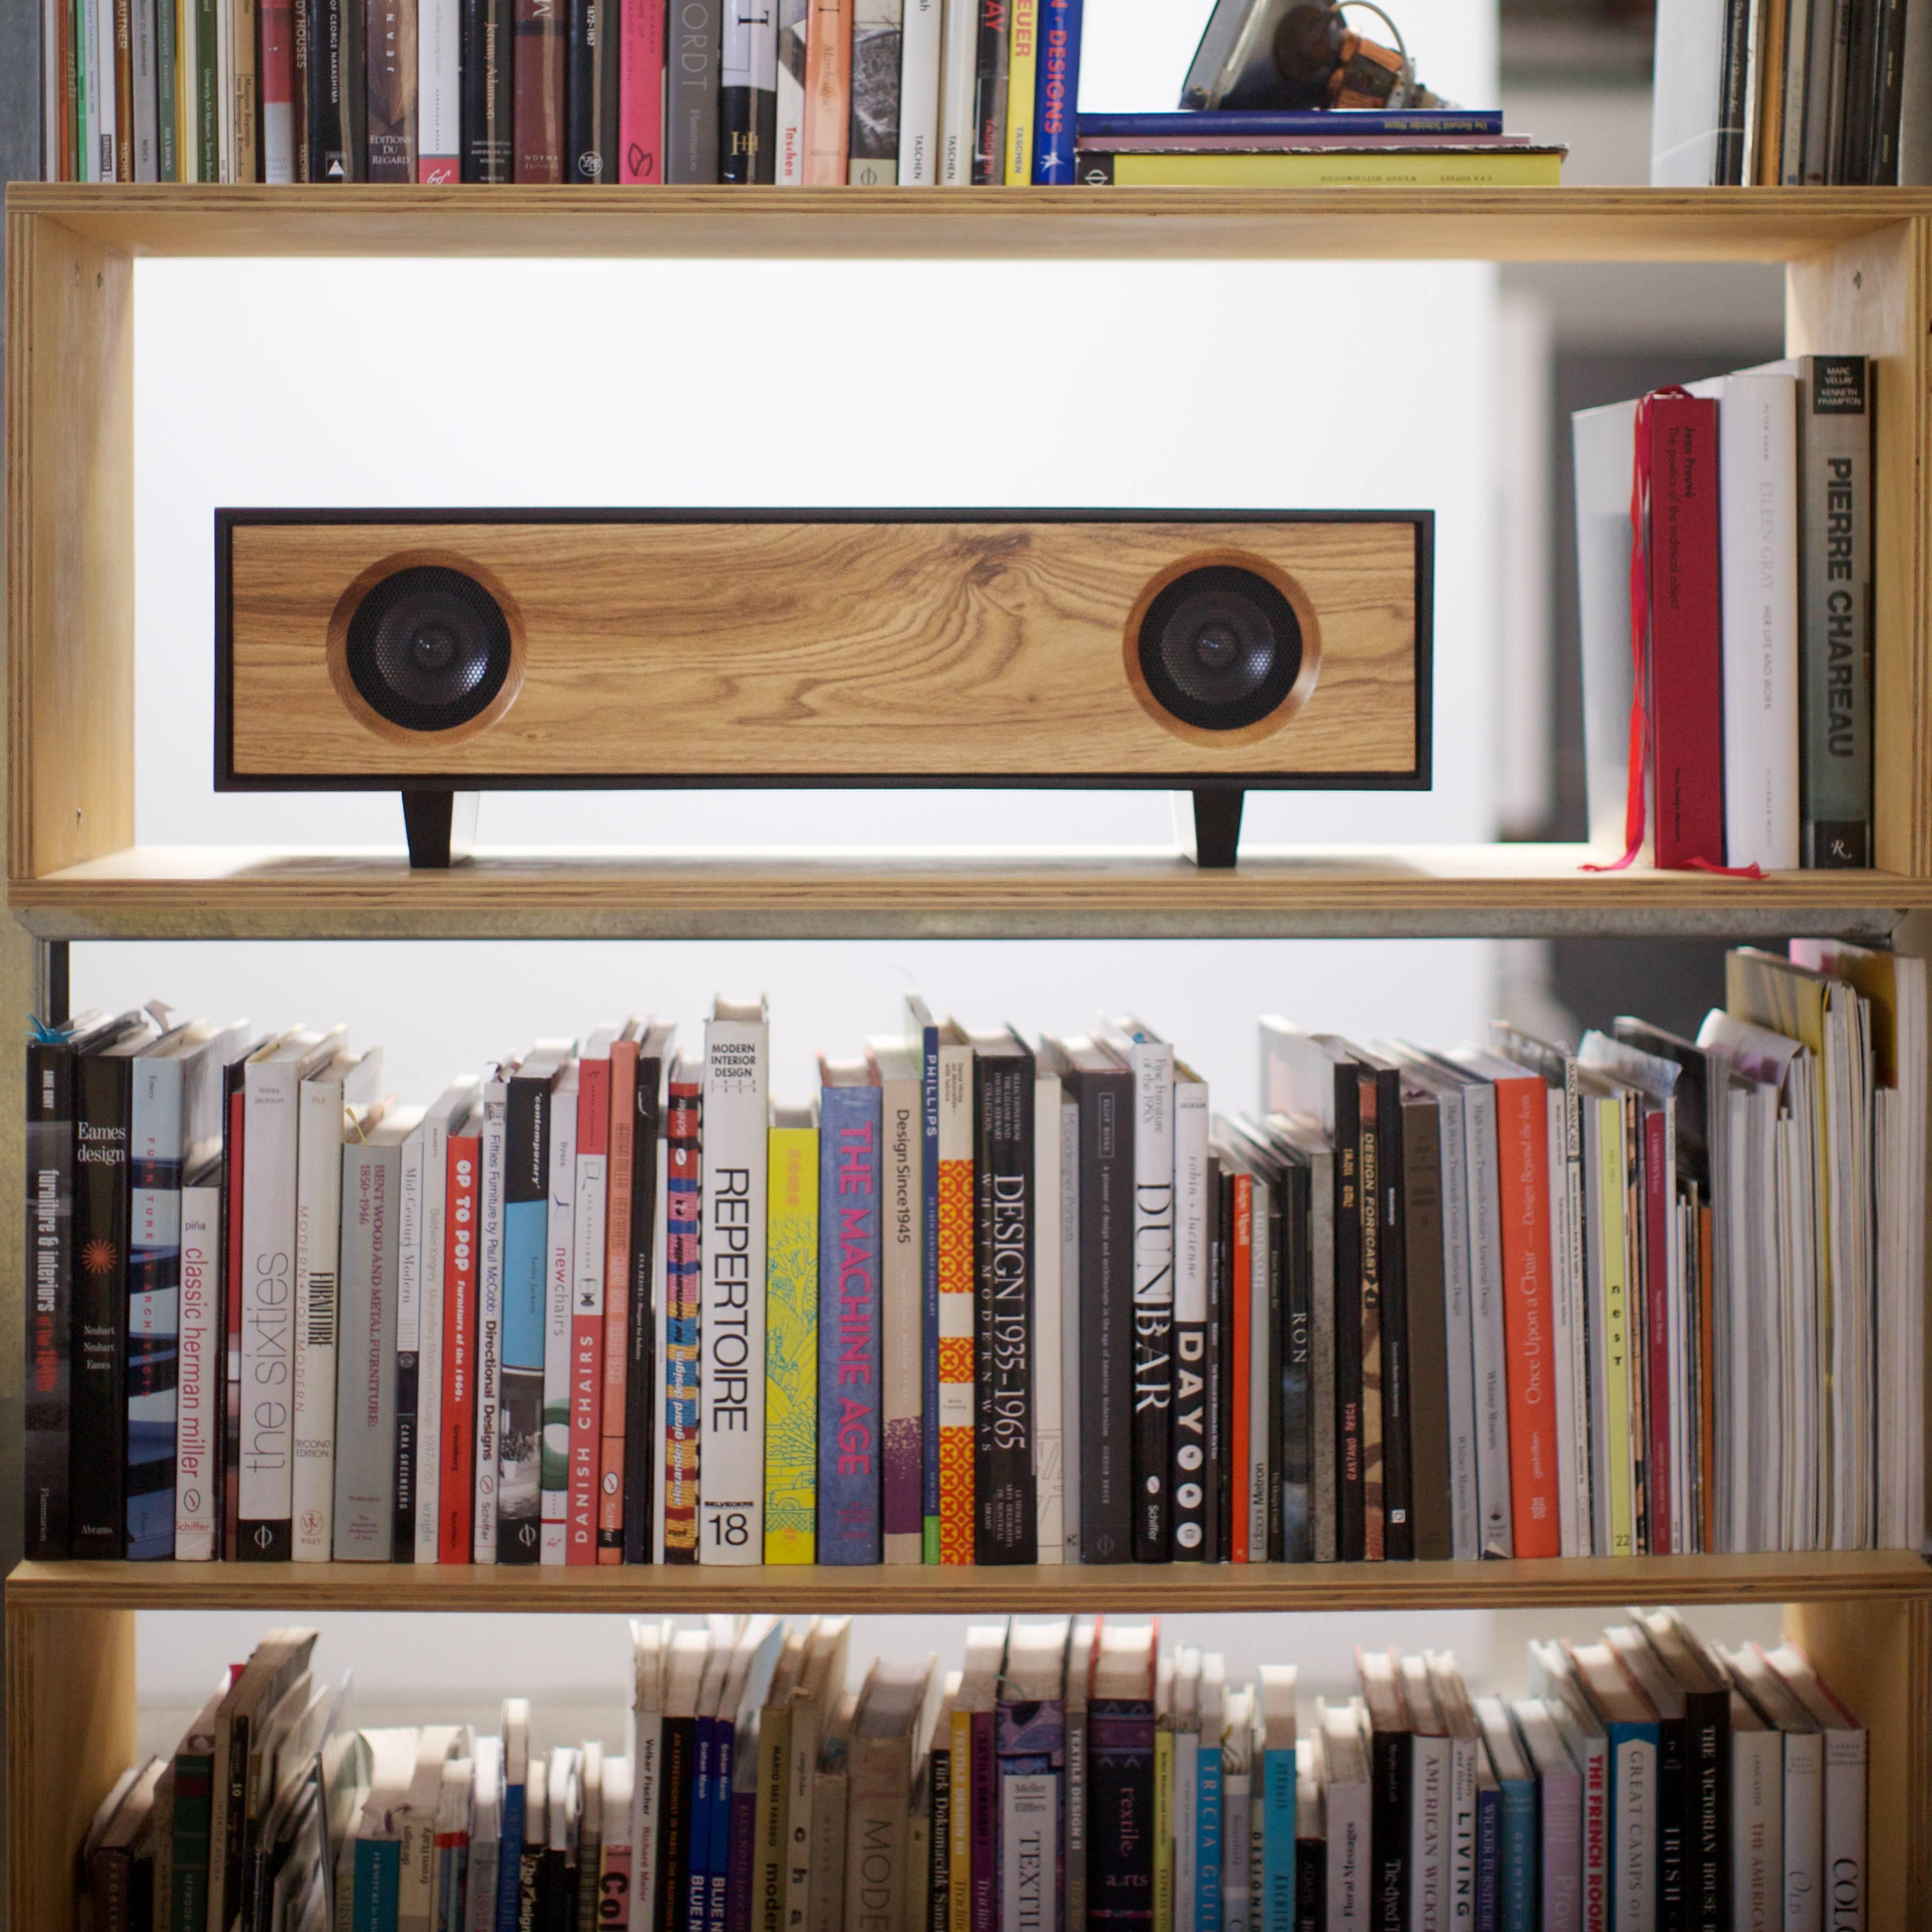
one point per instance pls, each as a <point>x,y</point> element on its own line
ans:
<point>441,653</point>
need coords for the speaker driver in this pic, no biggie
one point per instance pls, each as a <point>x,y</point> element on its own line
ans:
<point>1219,648</point>
<point>428,648</point>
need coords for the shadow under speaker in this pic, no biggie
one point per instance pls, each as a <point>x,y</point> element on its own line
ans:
<point>442,653</point>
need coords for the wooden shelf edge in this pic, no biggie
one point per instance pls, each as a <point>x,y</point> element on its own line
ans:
<point>291,1588</point>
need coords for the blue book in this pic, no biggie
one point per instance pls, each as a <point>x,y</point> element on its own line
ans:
<point>378,1884</point>
<point>703,1780</point>
<point>850,1460</point>
<point>919,1023</point>
<point>1208,1853</point>
<point>1056,91</point>
<point>1516,1780</point>
<point>1277,1787</point>
<point>155,1131</point>
<point>1262,124</point>
<point>510,1856</point>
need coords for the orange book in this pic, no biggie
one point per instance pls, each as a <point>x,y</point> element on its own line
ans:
<point>1522,1149</point>
<point>955,1302</point>
<point>1241,1368</point>
<point>828,109</point>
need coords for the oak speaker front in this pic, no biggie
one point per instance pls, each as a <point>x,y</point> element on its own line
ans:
<point>442,653</point>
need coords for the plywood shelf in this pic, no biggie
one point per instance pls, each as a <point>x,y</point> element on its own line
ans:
<point>1356,224</point>
<point>298,1589</point>
<point>239,892</point>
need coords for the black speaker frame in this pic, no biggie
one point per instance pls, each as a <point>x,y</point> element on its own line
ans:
<point>1217,819</point>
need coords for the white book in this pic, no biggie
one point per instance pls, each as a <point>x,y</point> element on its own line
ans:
<point>1602,442</point>
<point>1048,1315</point>
<point>1845,1869</point>
<point>199,1396</point>
<point>447,1116</point>
<point>794,31</point>
<point>490,1312</point>
<point>1559,1817</point>
<point>416,1898</point>
<point>958,61</point>
<point>1260,1276</point>
<point>271,1090</point>
<point>1195,1492</point>
<point>559,1302</point>
<point>1802,1876</point>
<point>896,1066</point>
<point>1757,1819</point>
<point>1430,1772</point>
<point>1757,540</point>
<point>1687,110</point>
<point>650,1652</point>
<point>921,51</point>
<point>1069,1325</point>
<point>731,1377</point>
<point>319,1114</point>
<point>486,1826</point>
<point>439,89</point>
<point>188,151</point>
<point>1459,1722</point>
<point>1344,1758</point>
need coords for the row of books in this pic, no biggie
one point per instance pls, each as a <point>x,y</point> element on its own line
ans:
<point>802,92</point>
<point>1792,92</point>
<point>984,1301</point>
<point>1310,148</point>
<point>1070,1773</point>
<point>1725,566</point>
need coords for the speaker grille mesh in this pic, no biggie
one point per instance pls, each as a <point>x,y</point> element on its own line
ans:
<point>428,648</point>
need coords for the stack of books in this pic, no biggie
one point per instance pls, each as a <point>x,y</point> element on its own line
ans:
<point>1070,1773</point>
<point>986,1299</point>
<point>1311,148</point>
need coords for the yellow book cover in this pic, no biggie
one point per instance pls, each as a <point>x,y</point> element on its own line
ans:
<point>791,1347</point>
<point>1163,1831</point>
<point>1616,1323</point>
<point>1022,66</point>
<point>956,1304</point>
<point>1501,167</point>
<point>959,1867</point>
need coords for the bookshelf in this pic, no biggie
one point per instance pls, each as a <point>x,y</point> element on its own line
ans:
<point>1859,277</point>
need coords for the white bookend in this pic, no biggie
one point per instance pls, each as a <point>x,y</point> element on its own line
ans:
<point>731,1379</point>
<point>198,1395</point>
<point>559,1291</point>
<point>921,52</point>
<point>958,59</point>
<point>1049,1251</point>
<point>447,1116</point>
<point>490,1313</point>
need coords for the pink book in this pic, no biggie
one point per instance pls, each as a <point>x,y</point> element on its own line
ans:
<point>641,84</point>
<point>587,1310</point>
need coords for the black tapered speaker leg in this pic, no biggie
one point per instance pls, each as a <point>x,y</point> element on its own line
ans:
<point>1211,833</point>
<point>442,827</point>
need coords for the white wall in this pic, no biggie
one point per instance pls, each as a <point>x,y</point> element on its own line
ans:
<point>1186,385</point>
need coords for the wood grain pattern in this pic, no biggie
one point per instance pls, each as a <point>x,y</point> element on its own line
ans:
<point>753,649</point>
<point>301,1587</point>
<point>1545,224</point>
<point>70,1734</point>
<point>1872,294</point>
<point>236,892</point>
<point>70,546</point>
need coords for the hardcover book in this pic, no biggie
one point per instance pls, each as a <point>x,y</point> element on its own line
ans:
<point>156,1142</point>
<point>896,1066</point>
<point>198,1410</point>
<point>791,1342</point>
<point>872,146</point>
<point>683,1289</point>
<point>390,134</point>
<point>456,1463</point>
<point>589,1254</point>
<point>748,95</point>
<point>691,95</point>
<point>1055,91</point>
<point>849,1447</point>
<point>954,1297</point>
<point>828,93</point>
<point>537,115</point>
<point>641,70</point>
<point>488,41</point>
<point>560,1294</point>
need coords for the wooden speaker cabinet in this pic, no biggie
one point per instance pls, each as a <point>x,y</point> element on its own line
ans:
<point>441,653</point>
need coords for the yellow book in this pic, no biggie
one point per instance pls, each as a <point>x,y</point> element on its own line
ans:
<point>791,1345</point>
<point>1615,1318</point>
<point>1163,1831</point>
<point>1022,65</point>
<point>1500,167</point>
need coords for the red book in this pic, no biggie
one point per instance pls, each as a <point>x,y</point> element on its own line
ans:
<point>586,1305</point>
<point>277,21</point>
<point>617,1301</point>
<point>539,111</point>
<point>1686,689</point>
<point>457,1452</point>
<point>641,85</point>
<point>1657,1208</point>
<point>1241,1369</point>
<point>1523,1167</point>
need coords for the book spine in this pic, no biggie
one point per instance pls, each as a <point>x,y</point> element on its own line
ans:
<point>1217,1524</point>
<point>1048,1322</point>
<point>587,1303</point>
<point>920,50</point>
<point>683,1289</point>
<point>1398,1479</point>
<point>1522,1137</point>
<point>747,94</point>
<point>1258,1289</point>
<point>332,112</point>
<point>365,1400</point>
<point>154,1305</point>
<point>198,1410</point>
<point>554,1433</point>
<point>526,1302</point>
<point>1056,91</point>
<point>955,1153</point>
<point>616,1503</point>
<point>409,1343</point>
<point>50,1204</point>
<point>828,94</point>
<point>1210,1827</point>
<point>490,1322</point>
<point>983,1799</point>
<point>1030,1741</point>
<point>1634,1811</point>
<point>1351,1543</point>
<point>1757,1848</point>
<point>991,54</point>
<point>939,1876</point>
<point>1274,1901</point>
<point>849,1471</point>
<point>1660,1398</point>
<point>1370,1141</point>
<point>267,1321</point>
<point>277,85</point>
<point>1240,1466</point>
<point>902,1344</point>
<point>1077,1819</point>
<point>456,1486</point>
<point>302,54</point>
<point>1188,1480</point>
<point>1106,1315</point>
<point>929,1286</point>
<point>439,92</point>
<point>147,135</point>
<point>488,36</point>
<point>1022,69</point>
<point>774,1746</point>
<point>1122,1806</point>
<point>390,96</point>
<point>788,145</point>
<point>641,91</point>
<point>1005,1526</point>
<point>732,1495</point>
<point>645,1494</point>
<point>791,1349</point>
<point>958,62</point>
<point>691,95</point>
<point>234,1259</point>
<point>431,1289</point>
<point>590,46</point>
<point>104,90</point>
<point>122,26</point>
<point>1391,1754</point>
<point>1487,1297</point>
<point>1300,1418</point>
<point>1322,1277</point>
<point>537,112</point>
<point>318,1232</point>
<point>1154,1281</point>
<point>1429,1415</point>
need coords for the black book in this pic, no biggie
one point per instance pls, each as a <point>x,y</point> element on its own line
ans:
<point>533,1860</point>
<point>691,95</point>
<point>1888,94</point>
<point>1399,1533</point>
<point>1005,1527</point>
<point>1854,143</point>
<point>1103,1092</point>
<point>529,1105</point>
<point>1706,1693</point>
<point>1121,1794</point>
<point>679,1746</point>
<point>939,1838</point>
<point>1295,1444</point>
<point>1221,1317</point>
<point>1734,77</point>
<point>1214,1448</point>
<point>556,1892</point>
<point>489,77</point>
<point>590,92</point>
<point>989,95</point>
<point>1428,1327</point>
<point>1391,1752</point>
<point>97,1475</point>
<point>228,1437</point>
<point>640,1445</point>
<point>332,97</point>
<point>1349,1449</point>
<point>1311,1879</point>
